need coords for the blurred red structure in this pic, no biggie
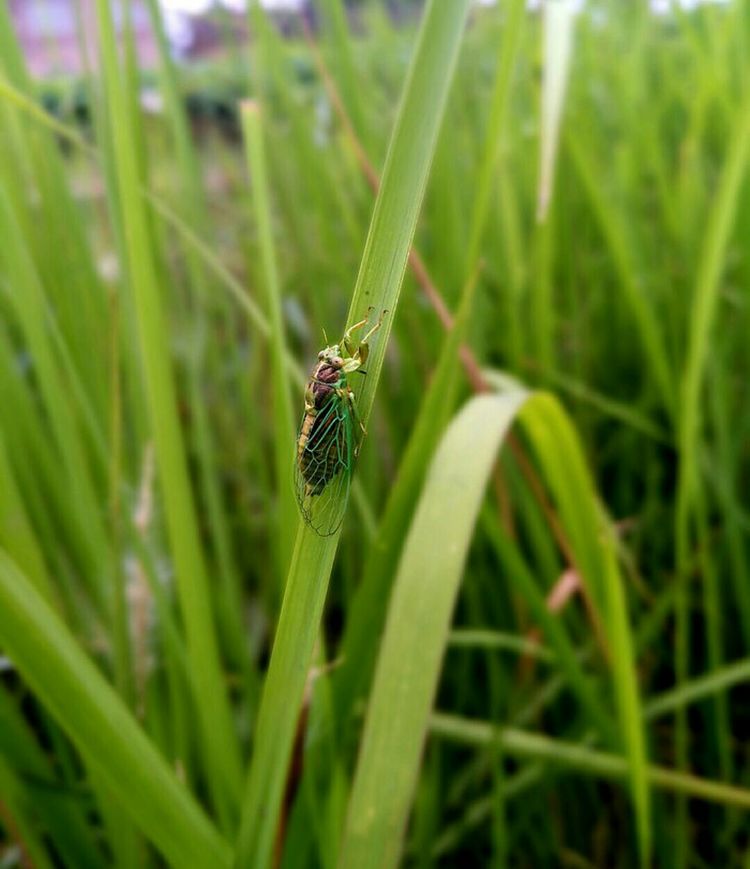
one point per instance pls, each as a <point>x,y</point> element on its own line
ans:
<point>48,31</point>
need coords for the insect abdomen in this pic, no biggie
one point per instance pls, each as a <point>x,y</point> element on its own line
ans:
<point>304,434</point>
<point>318,448</point>
<point>319,445</point>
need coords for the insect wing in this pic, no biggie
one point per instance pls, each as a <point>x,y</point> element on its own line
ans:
<point>323,467</point>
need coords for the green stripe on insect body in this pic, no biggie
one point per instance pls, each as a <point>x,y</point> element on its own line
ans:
<point>330,433</point>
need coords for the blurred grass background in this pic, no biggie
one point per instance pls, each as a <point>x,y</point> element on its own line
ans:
<point>163,291</point>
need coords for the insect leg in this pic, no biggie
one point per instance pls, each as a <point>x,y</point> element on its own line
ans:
<point>347,341</point>
<point>374,328</point>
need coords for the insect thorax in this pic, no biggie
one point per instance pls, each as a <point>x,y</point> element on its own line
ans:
<point>325,378</point>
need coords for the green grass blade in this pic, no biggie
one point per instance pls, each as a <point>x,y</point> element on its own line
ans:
<point>702,316</point>
<point>483,188</point>
<point>219,740</point>
<point>559,21</point>
<point>558,25</point>
<point>616,238</point>
<point>378,284</point>
<point>519,743</point>
<point>523,581</point>
<point>192,202</point>
<point>558,449</point>
<point>100,726</point>
<point>283,430</point>
<point>416,631</point>
<point>698,689</point>
<point>56,811</point>
<point>417,625</point>
<point>478,638</point>
<point>15,814</point>
<point>404,179</point>
<point>368,609</point>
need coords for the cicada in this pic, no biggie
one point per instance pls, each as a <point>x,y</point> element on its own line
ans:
<point>331,432</point>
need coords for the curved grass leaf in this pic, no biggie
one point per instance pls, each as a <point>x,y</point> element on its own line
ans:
<point>559,18</point>
<point>417,626</point>
<point>416,631</point>
<point>100,726</point>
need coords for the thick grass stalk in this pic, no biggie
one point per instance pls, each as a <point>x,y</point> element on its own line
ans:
<point>283,429</point>
<point>378,285</point>
<point>219,739</point>
<point>366,615</point>
<point>192,203</point>
<point>367,611</point>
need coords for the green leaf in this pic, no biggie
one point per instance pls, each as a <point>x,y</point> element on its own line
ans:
<point>217,730</point>
<point>580,758</point>
<point>426,586</point>
<point>378,285</point>
<point>100,726</point>
<point>417,629</point>
<point>283,439</point>
<point>558,449</point>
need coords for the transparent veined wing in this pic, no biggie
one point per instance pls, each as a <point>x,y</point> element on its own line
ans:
<point>323,466</point>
